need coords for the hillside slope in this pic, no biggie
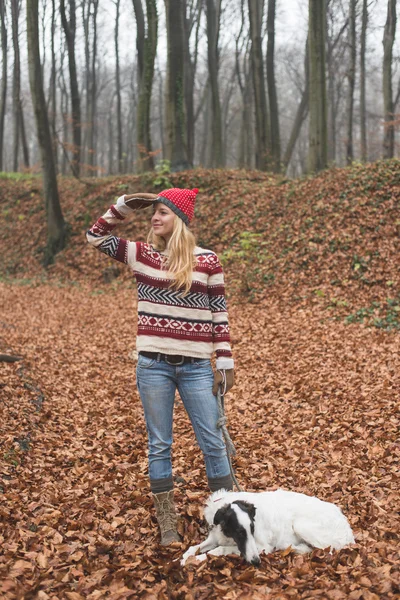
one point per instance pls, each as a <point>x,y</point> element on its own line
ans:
<point>331,239</point>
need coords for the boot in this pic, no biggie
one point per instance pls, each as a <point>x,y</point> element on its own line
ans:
<point>166,517</point>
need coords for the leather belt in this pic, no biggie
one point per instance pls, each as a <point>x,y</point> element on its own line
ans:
<point>170,359</point>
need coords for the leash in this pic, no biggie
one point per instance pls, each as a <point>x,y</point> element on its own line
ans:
<point>221,424</point>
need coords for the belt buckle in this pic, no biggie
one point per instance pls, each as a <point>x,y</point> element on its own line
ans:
<point>175,364</point>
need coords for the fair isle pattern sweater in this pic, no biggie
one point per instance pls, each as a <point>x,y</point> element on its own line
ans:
<point>193,325</point>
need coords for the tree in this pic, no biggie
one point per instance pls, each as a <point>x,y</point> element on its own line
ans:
<point>302,110</point>
<point>388,41</point>
<point>213,10</point>
<point>18,115</point>
<point>192,17</point>
<point>318,145</point>
<point>146,44</point>
<point>351,77</point>
<point>56,228</point>
<point>16,81</point>
<point>89,18</point>
<point>363,112</point>
<point>118,94</point>
<point>272,93</point>
<point>243,74</point>
<point>260,100</point>
<point>70,33</point>
<point>53,86</point>
<point>175,99</point>
<point>3,92</point>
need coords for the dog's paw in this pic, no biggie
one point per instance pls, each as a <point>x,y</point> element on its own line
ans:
<point>189,552</point>
<point>200,557</point>
<point>192,558</point>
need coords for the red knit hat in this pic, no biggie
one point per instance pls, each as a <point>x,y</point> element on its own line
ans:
<point>181,201</point>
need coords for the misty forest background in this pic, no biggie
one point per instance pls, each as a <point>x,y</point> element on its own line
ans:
<point>129,84</point>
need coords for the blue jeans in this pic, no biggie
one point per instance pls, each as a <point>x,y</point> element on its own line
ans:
<point>157,383</point>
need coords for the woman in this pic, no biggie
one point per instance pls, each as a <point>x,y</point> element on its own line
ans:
<point>182,320</point>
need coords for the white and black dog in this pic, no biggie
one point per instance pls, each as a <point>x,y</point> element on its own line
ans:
<point>250,523</point>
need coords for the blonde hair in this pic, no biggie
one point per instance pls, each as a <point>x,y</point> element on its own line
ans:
<point>181,259</point>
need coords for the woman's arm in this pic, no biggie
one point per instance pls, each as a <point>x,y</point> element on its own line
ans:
<point>100,234</point>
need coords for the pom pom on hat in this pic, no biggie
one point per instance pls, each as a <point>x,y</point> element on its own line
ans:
<point>181,201</point>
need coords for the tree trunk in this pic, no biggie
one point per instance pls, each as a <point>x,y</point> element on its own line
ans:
<point>118,94</point>
<point>262,120</point>
<point>111,138</point>
<point>213,19</point>
<point>388,41</point>
<point>63,110</point>
<point>92,99</point>
<point>191,19</point>
<point>56,229</point>
<point>70,31</point>
<point>351,81</point>
<point>245,137</point>
<point>3,93</point>
<point>318,147</point>
<point>15,8</point>
<point>204,155</point>
<point>161,111</point>
<point>85,129</point>
<point>175,99</point>
<point>243,74</point>
<point>363,111</point>
<point>53,89</point>
<point>146,44</point>
<point>25,149</point>
<point>272,92</point>
<point>301,113</point>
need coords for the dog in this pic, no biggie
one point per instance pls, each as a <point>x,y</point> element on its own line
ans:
<point>249,523</point>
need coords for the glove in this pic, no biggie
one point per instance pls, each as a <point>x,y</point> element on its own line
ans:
<point>230,380</point>
<point>139,200</point>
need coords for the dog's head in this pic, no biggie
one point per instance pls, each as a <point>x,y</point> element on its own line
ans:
<point>237,522</point>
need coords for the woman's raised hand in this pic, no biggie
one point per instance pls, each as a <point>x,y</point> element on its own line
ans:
<point>139,200</point>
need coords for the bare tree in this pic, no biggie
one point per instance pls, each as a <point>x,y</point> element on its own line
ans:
<point>53,87</point>
<point>262,136</point>
<point>146,44</point>
<point>302,110</point>
<point>64,101</point>
<point>243,74</point>
<point>363,112</point>
<point>56,229</point>
<point>213,10</point>
<point>89,18</point>
<point>18,116</point>
<point>193,10</point>
<point>272,92</point>
<point>118,94</point>
<point>175,100</point>
<point>351,77</point>
<point>69,27</point>
<point>388,41</point>
<point>3,93</point>
<point>318,144</point>
<point>336,48</point>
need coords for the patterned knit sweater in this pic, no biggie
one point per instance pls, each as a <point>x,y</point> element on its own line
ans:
<point>192,325</point>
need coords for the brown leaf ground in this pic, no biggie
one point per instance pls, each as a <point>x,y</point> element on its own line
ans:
<point>315,407</point>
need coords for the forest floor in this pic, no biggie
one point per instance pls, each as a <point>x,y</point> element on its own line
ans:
<point>312,270</point>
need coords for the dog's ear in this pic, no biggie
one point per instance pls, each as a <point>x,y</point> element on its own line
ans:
<point>247,507</point>
<point>221,516</point>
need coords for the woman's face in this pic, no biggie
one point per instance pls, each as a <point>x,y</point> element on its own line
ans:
<point>162,220</point>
